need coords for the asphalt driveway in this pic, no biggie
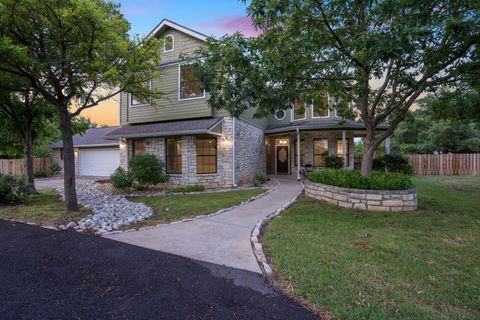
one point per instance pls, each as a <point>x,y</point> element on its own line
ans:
<point>46,274</point>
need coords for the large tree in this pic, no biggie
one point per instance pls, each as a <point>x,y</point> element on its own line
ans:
<point>76,54</point>
<point>380,55</point>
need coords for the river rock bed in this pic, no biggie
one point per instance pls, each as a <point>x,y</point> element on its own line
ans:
<point>110,211</point>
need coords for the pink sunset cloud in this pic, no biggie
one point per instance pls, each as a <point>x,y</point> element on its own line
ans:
<point>232,24</point>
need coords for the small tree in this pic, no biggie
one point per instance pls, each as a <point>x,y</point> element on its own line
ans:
<point>75,54</point>
<point>381,55</point>
<point>147,170</point>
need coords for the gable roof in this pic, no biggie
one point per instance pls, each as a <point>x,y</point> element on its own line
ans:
<point>94,137</point>
<point>165,23</point>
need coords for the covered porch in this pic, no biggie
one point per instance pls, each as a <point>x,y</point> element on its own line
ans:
<point>318,141</point>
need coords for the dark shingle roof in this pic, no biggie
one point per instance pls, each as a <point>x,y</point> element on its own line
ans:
<point>325,124</point>
<point>171,128</point>
<point>91,138</point>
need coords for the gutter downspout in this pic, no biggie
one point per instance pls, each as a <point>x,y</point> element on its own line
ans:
<point>234,183</point>
<point>298,154</point>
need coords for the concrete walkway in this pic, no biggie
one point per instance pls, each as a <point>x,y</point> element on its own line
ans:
<point>222,239</point>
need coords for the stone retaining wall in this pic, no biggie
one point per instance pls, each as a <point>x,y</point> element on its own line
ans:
<point>374,200</point>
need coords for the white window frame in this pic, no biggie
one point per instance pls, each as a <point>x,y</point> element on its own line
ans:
<point>284,114</point>
<point>349,108</point>
<point>328,109</point>
<point>129,96</point>
<point>304,114</point>
<point>173,43</point>
<point>180,83</point>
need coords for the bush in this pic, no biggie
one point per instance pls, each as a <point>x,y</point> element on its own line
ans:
<point>146,170</point>
<point>40,174</point>
<point>261,176</point>
<point>186,189</point>
<point>121,179</point>
<point>392,163</point>
<point>55,168</point>
<point>353,179</point>
<point>333,162</point>
<point>13,189</point>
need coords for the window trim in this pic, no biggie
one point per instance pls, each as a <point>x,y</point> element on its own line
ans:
<point>178,156</point>
<point>130,96</point>
<point>173,43</point>
<point>316,154</point>
<point>179,86</point>
<point>197,155</point>
<point>304,114</point>
<point>284,114</point>
<point>328,109</point>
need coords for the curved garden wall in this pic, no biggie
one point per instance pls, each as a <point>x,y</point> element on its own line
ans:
<point>375,200</point>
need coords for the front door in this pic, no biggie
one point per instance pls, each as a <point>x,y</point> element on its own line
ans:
<point>282,159</point>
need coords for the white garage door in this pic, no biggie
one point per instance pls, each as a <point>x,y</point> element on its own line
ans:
<point>98,162</point>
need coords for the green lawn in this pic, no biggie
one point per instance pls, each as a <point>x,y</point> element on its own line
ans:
<point>177,207</point>
<point>364,265</point>
<point>46,208</point>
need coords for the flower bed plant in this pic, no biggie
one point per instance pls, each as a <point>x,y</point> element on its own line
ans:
<point>353,179</point>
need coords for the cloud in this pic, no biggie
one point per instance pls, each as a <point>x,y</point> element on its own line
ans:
<point>232,24</point>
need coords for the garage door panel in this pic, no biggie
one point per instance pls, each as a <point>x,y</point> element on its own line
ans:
<point>98,162</point>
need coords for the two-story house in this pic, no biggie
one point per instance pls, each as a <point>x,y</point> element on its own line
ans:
<point>211,148</point>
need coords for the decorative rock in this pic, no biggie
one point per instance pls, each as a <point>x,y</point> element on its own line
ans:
<point>71,225</point>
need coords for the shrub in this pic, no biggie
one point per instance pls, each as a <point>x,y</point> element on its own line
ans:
<point>146,170</point>
<point>353,179</point>
<point>55,168</point>
<point>13,189</point>
<point>186,189</point>
<point>121,180</point>
<point>40,174</point>
<point>392,163</point>
<point>261,176</point>
<point>333,162</point>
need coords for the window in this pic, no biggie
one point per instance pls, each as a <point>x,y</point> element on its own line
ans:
<point>190,86</point>
<point>174,155</point>
<point>140,100</point>
<point>299,110</point>
<point>320,151</point>
<point>206,155</point>
<point>320,106</point>
<point>341,108</point>
<point>280,114</point>
<point>302,152</point>
<point>169,44</point>
<point>340,149</point>
<point>139,147</point>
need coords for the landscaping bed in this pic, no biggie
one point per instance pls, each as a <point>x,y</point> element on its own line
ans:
<point>46,208</point>
<point>177,207</point>
<point>411,265</point>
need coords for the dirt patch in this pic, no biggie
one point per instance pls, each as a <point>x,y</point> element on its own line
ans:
<point>459,187</point>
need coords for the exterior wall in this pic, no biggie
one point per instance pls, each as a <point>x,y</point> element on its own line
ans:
<point>168,107</point>
<point>56,156</point>
<point>249,151</point>
<point>373,200</point>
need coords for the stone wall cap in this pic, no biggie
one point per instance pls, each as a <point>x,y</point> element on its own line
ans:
<point>364,191</point>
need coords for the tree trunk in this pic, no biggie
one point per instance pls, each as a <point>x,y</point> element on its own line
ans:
<point>369,149</point>
<point>27,142</point>
<point>68,163</point>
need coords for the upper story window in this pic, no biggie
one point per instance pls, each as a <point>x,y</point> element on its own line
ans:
<point>280,114</point>
<point>299,110</point>
<point>320,106</point>
<point>190,87</point>
<point>140,100</point>
<point>341,108</point>
<point>169,44</point>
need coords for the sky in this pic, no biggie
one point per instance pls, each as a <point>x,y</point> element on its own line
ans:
<point>211,17</point>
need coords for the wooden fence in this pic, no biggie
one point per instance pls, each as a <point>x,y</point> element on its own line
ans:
<point>17,167</point>
<point>459,164</point>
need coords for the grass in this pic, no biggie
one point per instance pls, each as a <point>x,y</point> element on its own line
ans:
<point>177,207</point>
<point>364,265</point>
<point>46,208</point>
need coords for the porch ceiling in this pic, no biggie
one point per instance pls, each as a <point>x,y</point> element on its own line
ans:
<point>324,124</point>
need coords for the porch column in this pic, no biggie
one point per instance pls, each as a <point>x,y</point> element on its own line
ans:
<point>344,144</point>
<point>387,146</point>
<point>298,154</point>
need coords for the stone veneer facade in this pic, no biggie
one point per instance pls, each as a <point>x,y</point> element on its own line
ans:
<point>249,156</point>
<point>373,200</point>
